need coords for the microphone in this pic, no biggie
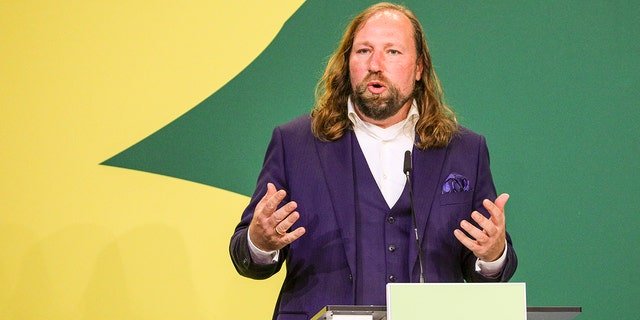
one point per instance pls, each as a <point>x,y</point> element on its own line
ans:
<point>407,171</point>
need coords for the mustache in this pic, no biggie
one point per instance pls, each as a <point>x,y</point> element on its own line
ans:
<point>377,76</point>
<point>372,76</point>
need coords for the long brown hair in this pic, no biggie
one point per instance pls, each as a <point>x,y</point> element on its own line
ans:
<point>437,123</point>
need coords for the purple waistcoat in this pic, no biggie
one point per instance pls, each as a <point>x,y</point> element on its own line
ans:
<point>382,236</point>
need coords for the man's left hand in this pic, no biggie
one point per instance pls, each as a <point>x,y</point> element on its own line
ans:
<point>487,242</point>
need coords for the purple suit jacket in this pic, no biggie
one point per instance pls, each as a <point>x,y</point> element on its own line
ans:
<point>321,266</point>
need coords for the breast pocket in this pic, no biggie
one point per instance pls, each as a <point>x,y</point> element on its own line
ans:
<point>452,198</point>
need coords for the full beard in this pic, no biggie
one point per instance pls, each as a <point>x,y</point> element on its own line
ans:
<point>379,106</point>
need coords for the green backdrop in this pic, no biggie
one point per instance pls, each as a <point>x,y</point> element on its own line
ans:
<point>553,85</point>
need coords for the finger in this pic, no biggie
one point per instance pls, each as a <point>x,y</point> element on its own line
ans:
<point>283,237</point>
<point>279,231</point>
<point>271,190</point>
<point>501,201</point>
<point>473,231</point>
<point>483,252</point>
<point>496,211</point>
<point>487,225</point>
<point>285,224</point>
<point>293,235</point>
<point>284,212</point>
<point>271,201</point>
<point>465,240</point>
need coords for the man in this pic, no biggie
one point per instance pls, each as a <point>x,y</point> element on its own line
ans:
<point>332,199</point>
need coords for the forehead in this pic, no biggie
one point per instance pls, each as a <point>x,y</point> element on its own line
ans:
<point>386,24</point>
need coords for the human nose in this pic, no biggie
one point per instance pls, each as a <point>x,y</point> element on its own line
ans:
<point>376,61</point>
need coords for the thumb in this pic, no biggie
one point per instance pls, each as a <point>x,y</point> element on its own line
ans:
<point>501,201</point>
<point>271,189</point>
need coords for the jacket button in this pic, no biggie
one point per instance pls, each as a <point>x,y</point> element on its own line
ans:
<point>392,248</point>
<point>350,277</point>
<point>392,278</point>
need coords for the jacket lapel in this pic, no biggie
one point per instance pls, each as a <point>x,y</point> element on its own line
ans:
<point>336,159</point>
<point>425,179</point>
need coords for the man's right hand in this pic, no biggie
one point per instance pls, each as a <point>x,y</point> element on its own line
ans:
<point>269,225</point>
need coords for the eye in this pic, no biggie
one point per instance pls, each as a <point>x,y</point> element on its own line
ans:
<point>363,50</point>
<point>394,52</point>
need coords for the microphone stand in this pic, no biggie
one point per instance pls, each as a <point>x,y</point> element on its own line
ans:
<point>407,171</point>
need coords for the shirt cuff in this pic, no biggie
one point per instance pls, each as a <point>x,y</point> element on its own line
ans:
<point>260,256</point>
<point>493,268</point>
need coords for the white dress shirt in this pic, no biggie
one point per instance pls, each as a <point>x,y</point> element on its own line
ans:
<point>384,149</point>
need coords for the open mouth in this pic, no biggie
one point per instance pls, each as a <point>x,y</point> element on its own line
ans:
<point>376,87</point>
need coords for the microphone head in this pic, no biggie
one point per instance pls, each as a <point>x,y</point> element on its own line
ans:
<point>407,162</point>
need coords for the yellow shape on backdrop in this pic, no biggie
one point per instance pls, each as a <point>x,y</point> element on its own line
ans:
<point>80,82</point>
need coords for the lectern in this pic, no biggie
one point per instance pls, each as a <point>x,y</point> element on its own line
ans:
<point>445,301</point>
<point>380,313</point>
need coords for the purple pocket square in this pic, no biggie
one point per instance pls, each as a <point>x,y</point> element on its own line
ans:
<point>455,183</point>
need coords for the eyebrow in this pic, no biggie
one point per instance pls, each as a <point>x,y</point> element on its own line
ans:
<point>385,45</point>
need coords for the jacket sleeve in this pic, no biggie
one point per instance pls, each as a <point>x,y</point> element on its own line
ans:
<point>485,189</point>
<point>508,269</point>
<point>272,171</point>
<point>241,258</point>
